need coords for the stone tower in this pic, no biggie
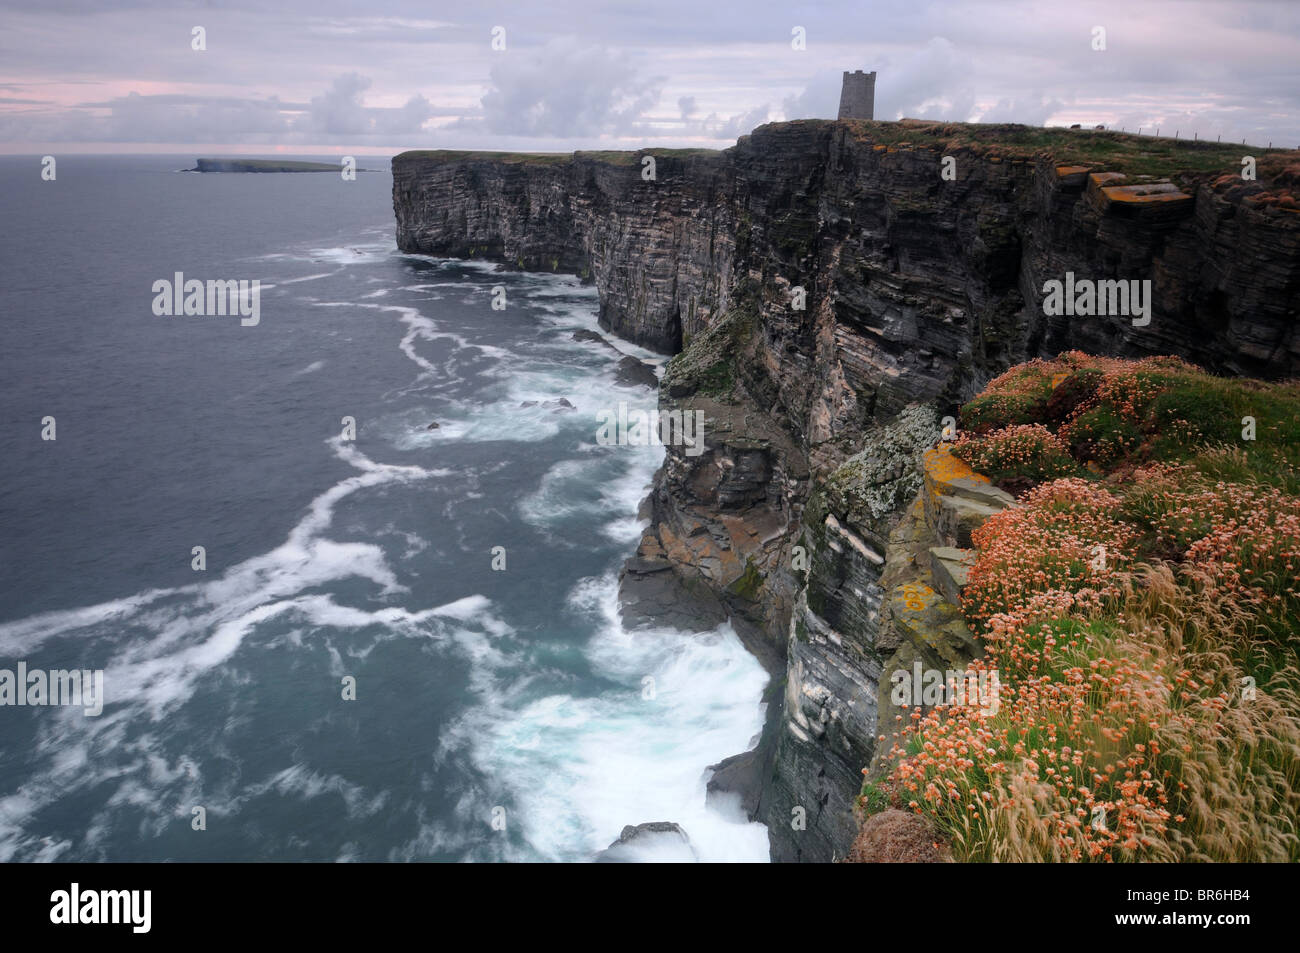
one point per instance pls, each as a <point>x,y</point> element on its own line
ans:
<point>858,96</point>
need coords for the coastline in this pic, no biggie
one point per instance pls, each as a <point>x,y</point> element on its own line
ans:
<point>814,284</point>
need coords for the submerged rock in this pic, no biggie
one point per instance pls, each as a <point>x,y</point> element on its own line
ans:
<point>561,403</point>
<point>591,337</point>
<point>632,372</point>
<point>738,778</point>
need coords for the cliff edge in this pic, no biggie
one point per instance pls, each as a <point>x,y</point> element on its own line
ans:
<point>832,291</point>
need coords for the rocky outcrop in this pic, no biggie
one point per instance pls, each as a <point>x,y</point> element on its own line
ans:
<point>656,840</point>
<point>832,297</point>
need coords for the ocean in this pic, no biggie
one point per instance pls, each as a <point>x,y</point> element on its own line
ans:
<point>399,647</point>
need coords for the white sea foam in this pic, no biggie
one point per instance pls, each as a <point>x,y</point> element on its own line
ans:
<point>362,253</point>
<point>575,765</point>
<point>179,637</point>
<point>324,274</point>
<point>577,768</point>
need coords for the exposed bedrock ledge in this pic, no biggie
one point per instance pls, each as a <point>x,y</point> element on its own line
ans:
<point>918,291</point>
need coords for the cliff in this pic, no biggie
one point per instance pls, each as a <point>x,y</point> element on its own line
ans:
<point>660,252</point>
<point>832,297</point>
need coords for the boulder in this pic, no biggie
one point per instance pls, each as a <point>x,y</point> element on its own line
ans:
<point>738,778</point>
<point>662,841</point>
<point>632,373</point>
<point>559,404</point>
<point>591,337</point>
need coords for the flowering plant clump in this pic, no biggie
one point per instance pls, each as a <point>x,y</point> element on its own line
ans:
<point>1018,396</point>
<point>1026,451</point>
<point>1250,550</point>
<point>1054,749</point>
<point>1110,413</point>
<point>1066,537</point>
<point>1101,435</point>
<point>1145,632</point>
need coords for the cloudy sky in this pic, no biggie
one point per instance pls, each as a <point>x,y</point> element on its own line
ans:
<point>327,77</point>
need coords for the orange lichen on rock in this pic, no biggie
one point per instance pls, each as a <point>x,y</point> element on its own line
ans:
<point>1155,192</point>
<point>1072,176</point>
<point>942,467</point>
<point>1100,179</point>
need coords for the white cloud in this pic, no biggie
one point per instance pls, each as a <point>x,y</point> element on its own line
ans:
<point>566,89</point>
<point>586,74</point>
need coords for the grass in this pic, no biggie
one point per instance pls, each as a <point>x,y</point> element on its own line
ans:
<point>706,365</point>
<point>1137,156</point>
<point>456,155</point>
<point>628,158</point>
<point>1110,150</point>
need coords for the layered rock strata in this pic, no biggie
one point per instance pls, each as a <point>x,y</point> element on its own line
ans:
<point>832,297</point>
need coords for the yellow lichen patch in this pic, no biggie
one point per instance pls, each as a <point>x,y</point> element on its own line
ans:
<point>911,603</point>
<point>1066,171</point>
<point>1057,378</point>
<point>916,596</point>
<point>942,467</point>
<point>1162,192</point>
<point>1099,179</point>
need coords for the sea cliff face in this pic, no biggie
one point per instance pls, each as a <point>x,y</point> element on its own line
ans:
<point>832,297</point>
<point>660,252</point>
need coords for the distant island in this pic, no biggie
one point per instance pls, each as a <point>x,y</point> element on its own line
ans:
<point>263,165</point>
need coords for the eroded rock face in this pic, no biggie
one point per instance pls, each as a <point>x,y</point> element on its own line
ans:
<point>817,284</point>
<point>658,251</point>
<point>931,285</point>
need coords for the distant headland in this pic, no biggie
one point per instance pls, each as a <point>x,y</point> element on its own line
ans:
<point>263,165</point>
